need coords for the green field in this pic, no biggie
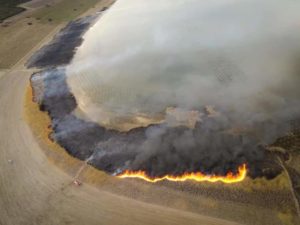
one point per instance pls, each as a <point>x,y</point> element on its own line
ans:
<point>19,37</point>
<point>65,10</point>
<point>9,8</point>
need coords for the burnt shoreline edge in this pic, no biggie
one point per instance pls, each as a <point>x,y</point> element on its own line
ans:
<point>51,92</point>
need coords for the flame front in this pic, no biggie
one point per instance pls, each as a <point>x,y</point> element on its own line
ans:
<point>196,176</point>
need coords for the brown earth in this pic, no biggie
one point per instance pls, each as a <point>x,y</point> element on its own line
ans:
<point>34,191</point>
<point>21,33</point>
<point>36,175</point>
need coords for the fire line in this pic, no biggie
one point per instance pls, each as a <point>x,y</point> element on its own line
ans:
<point>195,176</point>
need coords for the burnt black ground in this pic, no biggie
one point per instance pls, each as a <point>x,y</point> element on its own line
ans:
<point>62,48</point>
<point>110,150</point>
<point>212,151</point>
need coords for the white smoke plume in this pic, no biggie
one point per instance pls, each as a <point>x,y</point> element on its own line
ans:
<point>240,56</point>
<point>145,55</point>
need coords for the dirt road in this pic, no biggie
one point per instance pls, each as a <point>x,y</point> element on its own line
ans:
<point>34,191</point>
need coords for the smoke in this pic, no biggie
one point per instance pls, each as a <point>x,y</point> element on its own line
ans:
<point>147,55</point>
<point>241,56</point>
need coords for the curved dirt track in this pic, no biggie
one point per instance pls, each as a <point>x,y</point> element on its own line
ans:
<point>33,191</point>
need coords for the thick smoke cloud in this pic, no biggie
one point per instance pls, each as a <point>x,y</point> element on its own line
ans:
<point>241,56</point>
<point>147,55</point>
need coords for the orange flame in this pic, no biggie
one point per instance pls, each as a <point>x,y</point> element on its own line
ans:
<point>196,176</point>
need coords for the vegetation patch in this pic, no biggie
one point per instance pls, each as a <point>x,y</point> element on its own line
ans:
<point>17,40</point>
<point>64,11</point>
<point>286,217</point>
<point>40,125</point>
<point>10,7</point>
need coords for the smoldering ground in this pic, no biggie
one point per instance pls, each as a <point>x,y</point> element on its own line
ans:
<point>158,149</point>
<point>239,56</point>
<point>59,53</point>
